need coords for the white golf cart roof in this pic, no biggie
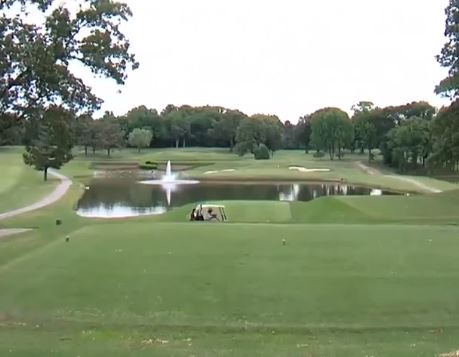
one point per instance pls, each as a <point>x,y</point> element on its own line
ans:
<point>208,205</point>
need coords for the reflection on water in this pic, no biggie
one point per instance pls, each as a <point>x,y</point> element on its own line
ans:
<point>118,211</point>
<point>125,197</point>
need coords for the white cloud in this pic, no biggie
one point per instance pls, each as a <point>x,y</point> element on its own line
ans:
<point>287,57</point>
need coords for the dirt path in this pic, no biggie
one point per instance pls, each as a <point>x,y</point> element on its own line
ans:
<point>422,186</point>
<point>54,196</point>
<point>418,184</point>
<point>4,233</point>
<point>367,169</point>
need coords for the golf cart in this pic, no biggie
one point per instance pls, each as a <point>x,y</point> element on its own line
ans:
<point>208,213</point>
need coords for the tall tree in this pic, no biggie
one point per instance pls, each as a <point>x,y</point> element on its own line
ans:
<point>145,118</point>
<point>85,133</point>
<point>226,128</point>
<point>249,136</point>
<point>202,123</point>
<point>332,131</point>
<point>303,132</point>
<point>110,135</point>
<point>410,143</point>
<point>289,136</point>
<point>364,127</point>
<point>37,56</point>
<point>52,148</point>
<point>256,130</point>
<point>140,138</point>
<point>445,132</point>
<point>11,129</point>
<point>449,56</point>
<point>273,129</point>
<point>397,114</point>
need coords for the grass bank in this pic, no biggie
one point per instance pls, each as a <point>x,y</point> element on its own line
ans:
<point>20,185</point>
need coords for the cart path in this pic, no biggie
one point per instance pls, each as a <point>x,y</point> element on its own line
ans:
<point>413,181</point>
<point>54,196</point>
<point>369,170</point>
<point>4,233</point>
<point>422,186</point>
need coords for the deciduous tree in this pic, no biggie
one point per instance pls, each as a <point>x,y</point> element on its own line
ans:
<point>226,128</point>
<point>36,56</point>
<point>303,132</point>
<point>332,131</point>
<point>445,132</point>
<point>52,148</point>
<point>449,56</point>
<point>110,135</point>
<point>140,138</point>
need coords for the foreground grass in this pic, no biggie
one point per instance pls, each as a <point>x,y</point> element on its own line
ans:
<point>235,290</point>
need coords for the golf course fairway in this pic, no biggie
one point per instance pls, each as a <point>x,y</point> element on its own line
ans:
<point>337,276</point>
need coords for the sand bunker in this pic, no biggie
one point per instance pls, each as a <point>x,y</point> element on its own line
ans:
<point>304,169</point>
<point>451,354</point>
<point>216,172</point>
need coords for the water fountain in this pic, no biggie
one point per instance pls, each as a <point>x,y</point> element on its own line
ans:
<point>169,182</point>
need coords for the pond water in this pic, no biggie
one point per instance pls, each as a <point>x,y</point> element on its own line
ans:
<point>125,197</point>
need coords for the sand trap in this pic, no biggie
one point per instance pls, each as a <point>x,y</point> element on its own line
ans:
<point>216,172</point>
<point>304,169</point>
<point>451,354</point>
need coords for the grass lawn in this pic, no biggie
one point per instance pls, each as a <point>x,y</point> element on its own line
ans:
<point>20,185</point>
<point>358,276</point>
<point>235,290</point>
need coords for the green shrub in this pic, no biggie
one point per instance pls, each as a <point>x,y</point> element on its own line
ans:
<point>262,153</point>
<point>148,167</point>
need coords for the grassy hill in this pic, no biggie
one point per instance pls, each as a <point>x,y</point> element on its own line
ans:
<point>20,185</point>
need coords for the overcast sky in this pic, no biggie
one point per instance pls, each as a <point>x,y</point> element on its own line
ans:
<point>284,57</point>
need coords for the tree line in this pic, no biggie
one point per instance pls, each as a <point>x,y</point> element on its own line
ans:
<point>406,135</point>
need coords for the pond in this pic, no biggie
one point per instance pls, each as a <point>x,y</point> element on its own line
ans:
<point>125,197</point>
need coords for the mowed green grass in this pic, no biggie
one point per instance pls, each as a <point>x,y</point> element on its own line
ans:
<point>332,290</point>
<point>356,277</point>
<point>428,209</point>
<point>20,185</point>
<point>437,209</point>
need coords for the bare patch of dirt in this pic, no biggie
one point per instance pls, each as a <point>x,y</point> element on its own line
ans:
<point>5,233</point>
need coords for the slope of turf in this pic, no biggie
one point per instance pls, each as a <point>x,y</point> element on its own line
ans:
<point>415,209</point>
<point>327,210</point>
<point>257,211</point>
<point>20,185</point>
<point>330,288</point>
